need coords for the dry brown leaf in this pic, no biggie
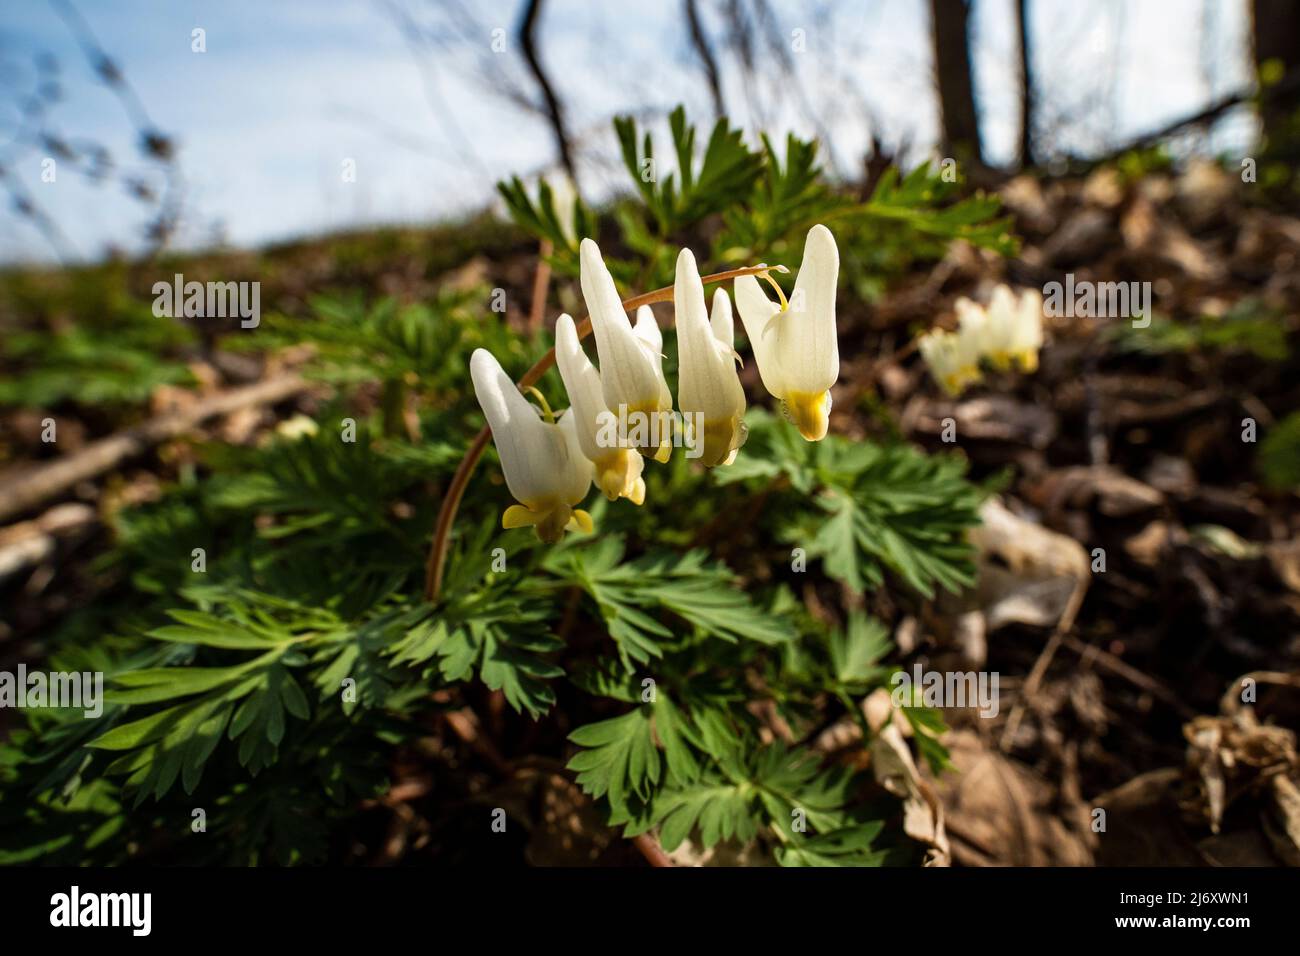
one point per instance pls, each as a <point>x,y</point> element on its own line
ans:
<point>1143,826</point>
<point>1281,820</point>
<point>1231,756</point>
<point>896,771</point>
<point>1001,814</point>
<point>1027,573</point>
<point>1115,494</point>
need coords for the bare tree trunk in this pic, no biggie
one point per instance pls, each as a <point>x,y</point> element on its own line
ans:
<point>1026,87</point>
<point>554,111</point>
<point>1277,37</point>
<point>950,30</point>
<point>700,41</point>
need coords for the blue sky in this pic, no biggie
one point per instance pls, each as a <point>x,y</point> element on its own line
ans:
<point>288,90</point>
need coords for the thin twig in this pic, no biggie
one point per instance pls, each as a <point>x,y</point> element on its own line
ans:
<point>1131,674</point>
<point>1030,689</point>
<point>29,543</point>
<point>528,28</point>
<point>700,40</point>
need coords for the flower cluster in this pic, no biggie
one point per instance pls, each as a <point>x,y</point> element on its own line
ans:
<point>550,461</point>
<point>1009,331</point>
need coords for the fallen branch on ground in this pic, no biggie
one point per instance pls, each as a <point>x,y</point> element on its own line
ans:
<point>33,487</point>
<point>30,542</point>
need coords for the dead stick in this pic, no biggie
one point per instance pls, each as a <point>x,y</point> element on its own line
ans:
<point>1028,692</point>
<point>1130,673</point>
<point>29,488</point>
<point>31,542</point>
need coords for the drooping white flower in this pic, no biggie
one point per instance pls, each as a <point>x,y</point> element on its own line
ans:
<point>953,359</point>
<point>631,360</point>
<point>1015,328</point>
<point>973,329</point>
<point>618,470</point>
<point>707,385</point>
<point>1009,330</point>
<point>794,343</point>
<point>544,466</point>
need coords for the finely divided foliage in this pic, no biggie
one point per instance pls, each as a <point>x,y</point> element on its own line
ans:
<point>655,655</point>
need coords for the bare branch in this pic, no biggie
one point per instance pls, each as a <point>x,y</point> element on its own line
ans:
<point>1026,87</point>
<point>700,40</point>
<point>555,113</point>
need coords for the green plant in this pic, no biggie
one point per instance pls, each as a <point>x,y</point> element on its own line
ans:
<point>1279,454</point>
<point>1248,327</point>
<point>670,660</point>
<point>116,359</point>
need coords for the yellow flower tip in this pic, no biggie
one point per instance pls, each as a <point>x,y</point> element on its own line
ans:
<point>722,437</point>
<point>959,380</point>
<point>611,485</point>
<point>517,516</point>
<point>1027,360</point>
<point>650,428</point>
<point>616,474</point>
<point>581,521</point>
<point>1001,361</point>
<point>549,521</point>
<point>810,412</point>
<point>637,494</point>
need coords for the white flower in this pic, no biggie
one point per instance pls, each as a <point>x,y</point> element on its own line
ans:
<point>795,344</point>
<point>1015,328</point>
<point>973,329</point>
<point>544,466</point>
<point>631,360</point>
<point>1009,330</point>
<point>618,470</point>
<point>707,385</point>
<point>953,359</point>
<point>300,426</point>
